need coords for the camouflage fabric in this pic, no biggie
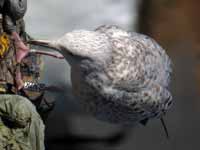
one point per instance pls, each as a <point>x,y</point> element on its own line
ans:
<point>21,127</point>
<point>30,67</point>
<point>7,66</point>
<point>7,62</point>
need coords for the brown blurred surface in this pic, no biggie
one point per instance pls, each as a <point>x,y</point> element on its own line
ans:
<point>171,21</point>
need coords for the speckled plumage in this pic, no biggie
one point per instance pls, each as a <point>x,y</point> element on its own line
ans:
<point>120,77</point>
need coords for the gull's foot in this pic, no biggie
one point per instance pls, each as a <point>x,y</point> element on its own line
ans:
<point>22,49</point>
<point>18,80</point>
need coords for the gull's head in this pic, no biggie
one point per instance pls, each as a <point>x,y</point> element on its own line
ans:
<point>83,43</point>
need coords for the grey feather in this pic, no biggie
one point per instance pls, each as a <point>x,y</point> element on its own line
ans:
<point>119,76</point>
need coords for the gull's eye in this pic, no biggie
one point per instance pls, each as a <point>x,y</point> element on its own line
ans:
<point>70,54</point>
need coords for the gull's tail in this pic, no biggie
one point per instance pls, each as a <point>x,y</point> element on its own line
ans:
<point>165,127</point>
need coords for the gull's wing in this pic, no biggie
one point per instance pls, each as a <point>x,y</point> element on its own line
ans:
<point>140,68</point>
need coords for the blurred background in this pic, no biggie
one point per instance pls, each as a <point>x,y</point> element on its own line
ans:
<point>172,23</point>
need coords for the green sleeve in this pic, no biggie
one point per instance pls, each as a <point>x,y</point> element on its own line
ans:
<point>28,134</point>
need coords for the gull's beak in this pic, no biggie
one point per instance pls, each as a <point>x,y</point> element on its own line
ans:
<point>45,43</point>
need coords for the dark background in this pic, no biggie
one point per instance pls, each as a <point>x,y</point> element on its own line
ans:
<point>173,23</point>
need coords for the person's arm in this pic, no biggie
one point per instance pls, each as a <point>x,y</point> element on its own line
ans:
<point>16,9</point>
<point>20,117</point>
<point>9,25</point>
<point>15,110</point>
<point>12,11</point>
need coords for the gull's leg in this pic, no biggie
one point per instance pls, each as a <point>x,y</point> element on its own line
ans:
<point>165,127</point>
<point>21,49</point>
<point>18,79</point>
